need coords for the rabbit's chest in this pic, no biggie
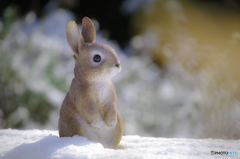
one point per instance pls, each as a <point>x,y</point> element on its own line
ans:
<point>101,94</point>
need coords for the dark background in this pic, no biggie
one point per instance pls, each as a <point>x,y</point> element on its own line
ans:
<point>107,12</point>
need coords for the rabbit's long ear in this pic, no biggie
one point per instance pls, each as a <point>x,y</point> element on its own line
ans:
<point>74,36</point>
<point>88,30</point>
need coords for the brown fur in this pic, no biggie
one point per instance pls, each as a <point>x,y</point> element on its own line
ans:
<point>89,108</point>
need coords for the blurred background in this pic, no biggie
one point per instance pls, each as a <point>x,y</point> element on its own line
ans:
<point>180,58</point>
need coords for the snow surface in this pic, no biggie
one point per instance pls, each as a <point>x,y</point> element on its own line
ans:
<point>43,144</point>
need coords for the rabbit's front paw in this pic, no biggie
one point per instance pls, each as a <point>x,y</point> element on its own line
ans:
<point>97,123</point>
<point>119,147</point>
<point>111,123</point>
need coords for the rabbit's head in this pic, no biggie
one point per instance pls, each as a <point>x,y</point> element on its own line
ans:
<point>93,61</point>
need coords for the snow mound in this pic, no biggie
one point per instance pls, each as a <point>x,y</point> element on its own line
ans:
<point>43,144</point>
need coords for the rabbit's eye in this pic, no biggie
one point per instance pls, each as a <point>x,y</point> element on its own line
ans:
<point>97,58</point>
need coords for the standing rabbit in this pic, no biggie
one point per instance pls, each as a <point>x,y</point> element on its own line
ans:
<point>89,108</point>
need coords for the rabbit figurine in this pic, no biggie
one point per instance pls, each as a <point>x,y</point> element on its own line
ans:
<point>89,108</point>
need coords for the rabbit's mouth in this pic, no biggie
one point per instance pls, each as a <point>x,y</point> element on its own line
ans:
<point>119,69</point>
<point>118,65</point>
<point>114,71</point>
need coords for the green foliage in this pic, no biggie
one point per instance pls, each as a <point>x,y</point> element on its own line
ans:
<point>58,82</point>
<point>9,17</point>
<point>11,96</point>
<point>36,103</point>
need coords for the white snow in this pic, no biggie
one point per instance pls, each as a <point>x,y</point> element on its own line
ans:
<point>43,144</point>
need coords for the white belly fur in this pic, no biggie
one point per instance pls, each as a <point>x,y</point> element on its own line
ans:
<point>103,135</point>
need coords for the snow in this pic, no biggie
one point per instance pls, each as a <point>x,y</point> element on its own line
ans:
<point>43,144</point>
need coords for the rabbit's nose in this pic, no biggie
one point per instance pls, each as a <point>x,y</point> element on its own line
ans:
<point>117,65</point>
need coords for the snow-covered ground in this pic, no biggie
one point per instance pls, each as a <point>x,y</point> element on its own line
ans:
<point>43,144</point>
